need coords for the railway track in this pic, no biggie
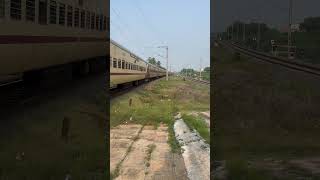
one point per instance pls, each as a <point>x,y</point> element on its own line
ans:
<point>116,92</point>
<point>17,94</point>
<point>197,80</point>
<point>291,64</point>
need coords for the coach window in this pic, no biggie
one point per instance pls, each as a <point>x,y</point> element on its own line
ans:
<point>2,8</point>
<point>114,63</point>
<point>53,12</point>
<point>88,20</point>
<point>43,12</point>
<point>104,23</point>
<point>15,9</point>
<point>76,17</point>
<point>30,10</point>
<point>62,14</point>
<point>123,64</point>
<point>83,16</point>
<point>119,64</point>
<point>97,22</point>
<point>92,20</point>
<point>101,22</point>
<point>69,16</point>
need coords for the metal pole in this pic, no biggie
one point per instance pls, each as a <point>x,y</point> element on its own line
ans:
<point>244,32</point>
<point>200,67</point>
<point>289,30</point>
<point>258,40</point>
<point>232,32</point>
<point>167,75</point>
<point>167,48</point>
<point>238,31</point>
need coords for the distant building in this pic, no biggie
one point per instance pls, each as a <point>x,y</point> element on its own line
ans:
<point>295,28</point>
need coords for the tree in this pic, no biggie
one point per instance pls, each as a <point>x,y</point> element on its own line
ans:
<point>158,63</point>
<point>311,24</point>
<point>206,69</point>
<point>152,60</point>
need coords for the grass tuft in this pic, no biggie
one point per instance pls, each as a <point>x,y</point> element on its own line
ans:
<point>199,125</point>
<point>158,102</point>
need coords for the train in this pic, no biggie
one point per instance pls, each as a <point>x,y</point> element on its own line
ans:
<point>128,68</point>
<point>38,36</point>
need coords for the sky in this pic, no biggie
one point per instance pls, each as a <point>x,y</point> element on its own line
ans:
<point>183,25</point>
<point>272,12</point>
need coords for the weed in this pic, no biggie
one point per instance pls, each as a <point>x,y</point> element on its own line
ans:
<point>157,103</point>
<point>150,149</point>
<point>116,171</point>
<point>199,125</point>
<point>263,110</point>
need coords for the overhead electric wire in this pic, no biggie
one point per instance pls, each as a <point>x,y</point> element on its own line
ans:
<point>147,22</point>
<point>136,36</point>
<point>120,31</point>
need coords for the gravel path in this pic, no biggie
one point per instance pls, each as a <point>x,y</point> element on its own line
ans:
<point>196,153</point>
<point>130,146</point>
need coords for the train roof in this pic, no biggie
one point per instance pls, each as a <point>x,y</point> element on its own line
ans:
<point>157,66</point>
<point>122,47</point>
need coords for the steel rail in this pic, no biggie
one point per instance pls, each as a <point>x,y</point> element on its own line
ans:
<point>299,66</point>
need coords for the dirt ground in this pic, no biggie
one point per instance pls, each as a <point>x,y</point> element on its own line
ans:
<point>131,155</point>
<point>196,153</point>
<point>31,142</point>
<point>266,119</point>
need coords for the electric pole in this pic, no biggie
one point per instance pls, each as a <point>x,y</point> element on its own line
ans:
<point>238,31</point>
<point>259,34</point>
<point>200,67</point>
<point>289,30</point>
<point>232,32</point>
<point>244,32</point>
<point>167,48</point>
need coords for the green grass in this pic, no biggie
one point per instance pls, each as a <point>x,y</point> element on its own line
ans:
<point>263,110</point>
<point>158,102</point>
<point>47,155</point>
<point>239,170</point>
<point>150,149</point>
<point>199,125</point>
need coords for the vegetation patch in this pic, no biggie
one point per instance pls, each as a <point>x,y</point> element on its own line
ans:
<point>158,102</point>
<point>263,111</point>
<point>37,149</point>
<point>239,169</point>
<point>150,149</point>
<point>116,171</point>
<point>198,124</point>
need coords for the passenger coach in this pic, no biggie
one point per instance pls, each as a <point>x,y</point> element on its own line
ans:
<point>40,34</point>
<point>128,68</point>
